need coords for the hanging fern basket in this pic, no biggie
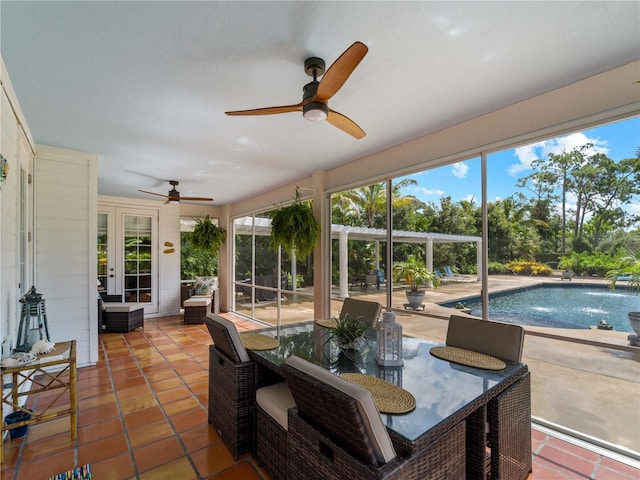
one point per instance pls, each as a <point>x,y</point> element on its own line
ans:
<point>207,236</point>
<point>295,227</point>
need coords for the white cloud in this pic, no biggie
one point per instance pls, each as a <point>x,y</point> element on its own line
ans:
<point>459,170</point>
<point>423,192</point>
<point>528,153</point>
<point>633,209</point>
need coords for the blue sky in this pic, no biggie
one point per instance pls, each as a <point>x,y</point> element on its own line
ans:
<point>461,181</point>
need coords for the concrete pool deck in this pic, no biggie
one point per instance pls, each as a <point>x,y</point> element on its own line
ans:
<point>584,380</point>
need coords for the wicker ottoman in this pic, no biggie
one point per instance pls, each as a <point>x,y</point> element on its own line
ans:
<point>123,317</point>
<point>196,308</point>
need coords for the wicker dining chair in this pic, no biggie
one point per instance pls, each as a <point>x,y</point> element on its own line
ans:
<point>336,432</point>
<point>504,425</point>
<point>231,386</point>
<point>272,405</point>
<point>367,312</point>
<point>498,339</point>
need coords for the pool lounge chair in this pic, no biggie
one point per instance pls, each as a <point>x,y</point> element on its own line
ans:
<point>450,275</point>
<point>443,278</point>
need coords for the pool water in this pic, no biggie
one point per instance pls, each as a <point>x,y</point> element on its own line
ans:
<point>561,307</point>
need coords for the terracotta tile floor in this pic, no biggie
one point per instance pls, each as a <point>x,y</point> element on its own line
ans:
<point>143,415</point>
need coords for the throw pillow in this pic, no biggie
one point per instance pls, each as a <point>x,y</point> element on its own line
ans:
<point>206,285</point>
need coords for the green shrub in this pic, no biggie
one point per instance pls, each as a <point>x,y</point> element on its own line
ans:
<point>581,245</point>
<point>496,268</point>
<point>590,263</point>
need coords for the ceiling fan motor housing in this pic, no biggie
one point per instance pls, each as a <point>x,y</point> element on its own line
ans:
<point>314,67</point>
<point>314,111</point>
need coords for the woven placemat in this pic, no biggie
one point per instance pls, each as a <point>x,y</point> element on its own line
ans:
<point>468,358</point>
<point>326,323</point>
<point>258,341</point>
<point>389,398</point>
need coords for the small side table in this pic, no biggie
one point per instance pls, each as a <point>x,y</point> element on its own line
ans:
<point>42,377</point>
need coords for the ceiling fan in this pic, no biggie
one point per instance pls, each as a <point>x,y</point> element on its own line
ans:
<point>316,94</point>
<point>174,195</point>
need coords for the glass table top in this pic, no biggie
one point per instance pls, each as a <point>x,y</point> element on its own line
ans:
<point>440,388</point>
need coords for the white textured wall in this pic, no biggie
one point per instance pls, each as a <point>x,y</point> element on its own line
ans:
<point>169,263</point>
<point>65,246</point>
<point>15,146</point>
<point>8,226</point>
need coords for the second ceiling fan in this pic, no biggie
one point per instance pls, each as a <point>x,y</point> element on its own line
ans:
<point>316,94</point>
<point>174,194</point>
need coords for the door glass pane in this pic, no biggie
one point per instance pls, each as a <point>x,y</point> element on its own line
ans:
<point>137,259</point>
<point>102,250</point>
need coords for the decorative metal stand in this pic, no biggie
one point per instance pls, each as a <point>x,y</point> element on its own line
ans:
<point>33,316</point>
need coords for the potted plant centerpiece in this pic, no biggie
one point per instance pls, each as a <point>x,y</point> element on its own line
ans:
<point>415,273</point>
<point>629,271</point>
<point>348,331</point>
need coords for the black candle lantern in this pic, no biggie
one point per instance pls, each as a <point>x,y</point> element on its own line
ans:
<point>33,316</point>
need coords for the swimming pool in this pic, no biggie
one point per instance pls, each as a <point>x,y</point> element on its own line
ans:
<point>569,306</point>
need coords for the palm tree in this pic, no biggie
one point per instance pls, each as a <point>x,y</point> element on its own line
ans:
<point>629,270</point>
<point>367,203</point>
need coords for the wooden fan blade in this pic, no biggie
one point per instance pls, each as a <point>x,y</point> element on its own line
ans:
<point>339,71</point>
<point>345,124</point>
<point>268,110</point>
<point>153,193</point>
<point>196,199</point>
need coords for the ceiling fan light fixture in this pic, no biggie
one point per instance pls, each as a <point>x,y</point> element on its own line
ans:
<point>315,111</point>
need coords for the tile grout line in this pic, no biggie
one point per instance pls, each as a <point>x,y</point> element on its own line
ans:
<point>119,407</point>
<point>187,454</point>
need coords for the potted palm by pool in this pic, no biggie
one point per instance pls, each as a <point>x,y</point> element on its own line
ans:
<point>415,274</point>
<point>629,271</point>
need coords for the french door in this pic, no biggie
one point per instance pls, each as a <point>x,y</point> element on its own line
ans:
<point>127,254</point>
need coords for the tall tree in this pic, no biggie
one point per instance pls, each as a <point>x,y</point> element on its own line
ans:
<point>561,166</point>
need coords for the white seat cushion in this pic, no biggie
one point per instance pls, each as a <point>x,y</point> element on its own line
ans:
<point>376,431</point>
<point>197,301</point>
<point>122,307</point>
<point>276,400</point>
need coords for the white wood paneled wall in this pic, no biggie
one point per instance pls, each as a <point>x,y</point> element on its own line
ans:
<point>65,246</point>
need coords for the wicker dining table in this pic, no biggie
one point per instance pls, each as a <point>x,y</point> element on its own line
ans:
<point>446,393</point>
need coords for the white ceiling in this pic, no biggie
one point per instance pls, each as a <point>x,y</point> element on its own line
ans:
<point>144,85</point>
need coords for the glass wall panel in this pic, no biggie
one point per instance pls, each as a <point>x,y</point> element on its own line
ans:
<point>103,232</point>
<point>437,228</point>
<point>358,245</point>
<point>137,258</point>
<point>264,278</point>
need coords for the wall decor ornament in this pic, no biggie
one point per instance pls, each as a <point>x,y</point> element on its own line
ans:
<point>4,170</point>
